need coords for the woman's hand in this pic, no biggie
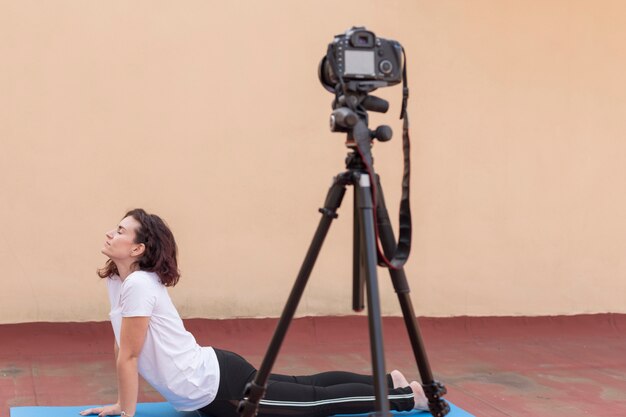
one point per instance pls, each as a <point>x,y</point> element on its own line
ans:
<point>108,410</point>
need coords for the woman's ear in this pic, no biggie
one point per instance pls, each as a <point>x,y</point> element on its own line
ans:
<point>138,250</point>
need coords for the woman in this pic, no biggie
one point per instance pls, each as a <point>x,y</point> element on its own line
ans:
<point>151,340</point>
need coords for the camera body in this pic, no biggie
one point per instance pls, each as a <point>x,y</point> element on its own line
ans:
<point>359,56</point>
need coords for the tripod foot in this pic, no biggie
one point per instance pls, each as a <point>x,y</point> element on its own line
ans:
<point>248,407</point>
<point>436,404</point>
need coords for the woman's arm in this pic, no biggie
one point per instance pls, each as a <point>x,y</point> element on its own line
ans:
<point>116,350</point>
<point>133,335</point>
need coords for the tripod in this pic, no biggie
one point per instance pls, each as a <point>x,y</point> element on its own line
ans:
<point>364,274</point>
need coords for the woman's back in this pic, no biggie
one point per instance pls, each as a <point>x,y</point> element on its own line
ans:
<point>186,374</point>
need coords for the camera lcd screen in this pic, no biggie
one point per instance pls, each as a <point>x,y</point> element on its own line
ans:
<point>360,63</point>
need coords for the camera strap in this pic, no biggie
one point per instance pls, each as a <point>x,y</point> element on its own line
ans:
<point>400,254</point>
<point>403,247</point>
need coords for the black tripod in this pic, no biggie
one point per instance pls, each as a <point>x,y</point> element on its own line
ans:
<point>364,272</point>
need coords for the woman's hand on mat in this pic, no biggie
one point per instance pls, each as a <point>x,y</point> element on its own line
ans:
<point>108,410</point>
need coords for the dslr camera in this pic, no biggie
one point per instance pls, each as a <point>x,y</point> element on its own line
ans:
<point>360,61</point>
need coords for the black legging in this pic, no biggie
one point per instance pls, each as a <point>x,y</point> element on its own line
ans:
<point>319,395</point>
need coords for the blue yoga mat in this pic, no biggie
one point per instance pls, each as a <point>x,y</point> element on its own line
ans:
<point>166,410</point>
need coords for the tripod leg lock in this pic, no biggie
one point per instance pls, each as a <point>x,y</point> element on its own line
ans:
<point>248,407</point>
<point>328,213</point>
<point>437,405</point>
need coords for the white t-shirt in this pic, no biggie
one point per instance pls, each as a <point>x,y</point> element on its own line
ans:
<point>171,360</point>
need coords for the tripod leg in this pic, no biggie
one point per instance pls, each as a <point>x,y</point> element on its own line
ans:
<point>434,390</point>
<point>256,389</point>
<point>358,278</point>
<point>365,212</point>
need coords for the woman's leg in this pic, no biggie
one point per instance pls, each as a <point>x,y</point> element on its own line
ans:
<point>327,379</point>
<point>294,399</point>
<point>296,396</point>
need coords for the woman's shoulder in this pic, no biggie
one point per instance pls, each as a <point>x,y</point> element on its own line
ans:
<point>144,279</point>
<point>113,280</point>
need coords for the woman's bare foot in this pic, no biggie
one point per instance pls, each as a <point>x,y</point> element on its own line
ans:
<point>399,381</point>
<point>421,402</point>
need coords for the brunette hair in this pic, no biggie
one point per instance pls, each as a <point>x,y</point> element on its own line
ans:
<point>160,253</point>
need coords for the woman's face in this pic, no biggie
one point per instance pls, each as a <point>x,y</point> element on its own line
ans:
<point>120,242</point>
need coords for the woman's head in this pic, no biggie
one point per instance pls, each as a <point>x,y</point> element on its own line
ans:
<point>144,241</point>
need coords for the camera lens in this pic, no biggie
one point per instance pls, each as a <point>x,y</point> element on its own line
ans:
<point>385,67</point>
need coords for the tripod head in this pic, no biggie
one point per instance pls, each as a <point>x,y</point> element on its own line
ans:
<point>349,108</point>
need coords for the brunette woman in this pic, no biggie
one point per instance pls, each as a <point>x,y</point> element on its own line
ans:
<point>151,340</point>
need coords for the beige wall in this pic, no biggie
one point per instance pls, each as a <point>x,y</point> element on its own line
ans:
<point>211,115</point>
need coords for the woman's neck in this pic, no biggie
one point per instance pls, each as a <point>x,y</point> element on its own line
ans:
<point>124,270</point>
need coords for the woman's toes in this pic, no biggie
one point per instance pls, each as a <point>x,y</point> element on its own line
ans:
<point>398,379</point>
<point>421,402</point>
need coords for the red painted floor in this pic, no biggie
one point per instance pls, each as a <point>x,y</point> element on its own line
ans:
<point>493,367</point>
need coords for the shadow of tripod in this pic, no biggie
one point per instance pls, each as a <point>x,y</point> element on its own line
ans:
<point>367,210</point>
